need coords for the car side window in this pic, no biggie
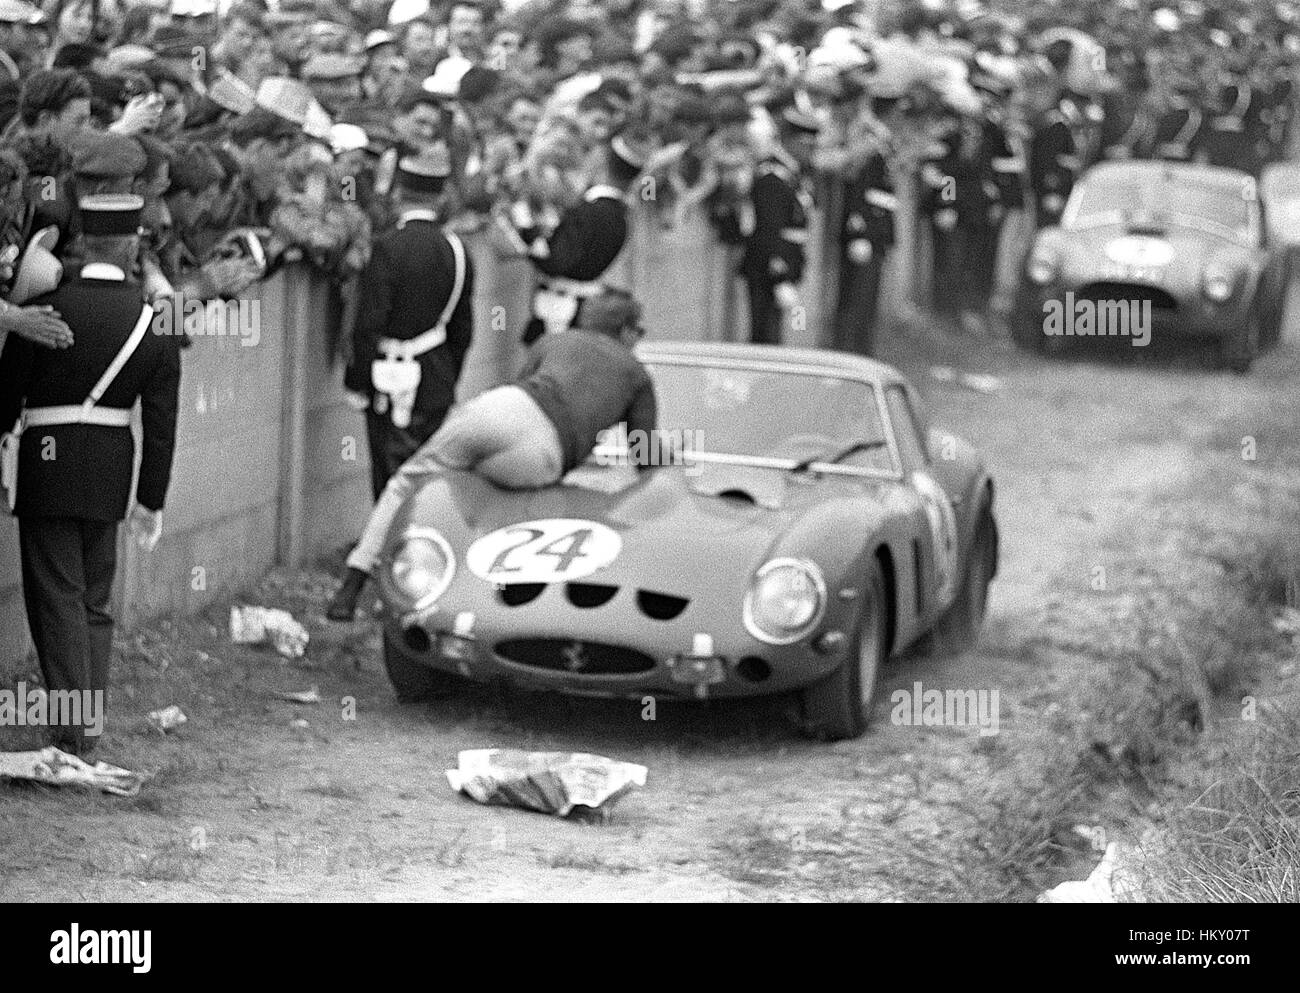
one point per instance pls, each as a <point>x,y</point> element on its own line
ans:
<point>906,432</point>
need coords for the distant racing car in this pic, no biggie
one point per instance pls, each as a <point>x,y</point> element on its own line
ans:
<point>1185,244</point>
<point>811,526</point>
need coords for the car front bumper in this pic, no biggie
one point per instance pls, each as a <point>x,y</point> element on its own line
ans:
<point>611,650</point>
<point>1190,316</point>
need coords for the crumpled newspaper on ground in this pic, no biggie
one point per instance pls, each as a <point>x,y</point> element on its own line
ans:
<point>256,625</point>
<point>55,767</point>
<point>557,783</point>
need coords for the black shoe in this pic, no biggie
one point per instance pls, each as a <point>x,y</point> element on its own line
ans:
<point>344,605</point>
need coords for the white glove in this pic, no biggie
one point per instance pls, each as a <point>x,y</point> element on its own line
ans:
<point>787,296</point>
<point>357,401</point>
<point>145,527</point>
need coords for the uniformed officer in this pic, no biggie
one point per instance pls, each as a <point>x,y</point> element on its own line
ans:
<point>413,324</point>
<point>866,236</point>
<point>571,259</point>
<point>776,235</point>
<point>77,453</point>
<point>963,197</point>
<point>1055,160</point>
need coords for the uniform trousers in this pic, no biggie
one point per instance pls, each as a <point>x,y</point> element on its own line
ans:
<point>68,565</point>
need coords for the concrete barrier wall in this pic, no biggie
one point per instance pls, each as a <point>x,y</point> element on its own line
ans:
<point>272,464</point>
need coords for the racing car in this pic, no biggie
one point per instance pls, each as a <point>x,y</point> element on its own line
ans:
<point>1182,248</point>
<point>808,525</point>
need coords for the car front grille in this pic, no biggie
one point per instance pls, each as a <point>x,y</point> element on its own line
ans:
<point>587,596</point>
<point>1106,292</point>
<point>588,658</point>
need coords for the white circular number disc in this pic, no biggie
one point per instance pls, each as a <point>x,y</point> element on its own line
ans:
<point>547,551</point>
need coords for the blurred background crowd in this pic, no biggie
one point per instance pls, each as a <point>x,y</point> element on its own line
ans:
<point>258,133</point>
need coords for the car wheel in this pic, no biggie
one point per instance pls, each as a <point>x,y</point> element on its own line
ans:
<point>839,706</point>
<point>1238,351</point>
<point>959,628</point>
<point>411,681</point>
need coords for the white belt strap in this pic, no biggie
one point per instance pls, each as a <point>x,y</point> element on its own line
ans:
<point>109,417</point>
<point>412,348</point>
<point>573,287</point>
<point>88,413</point>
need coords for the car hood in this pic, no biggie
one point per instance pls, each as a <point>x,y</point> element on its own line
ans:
<point>710,523</point>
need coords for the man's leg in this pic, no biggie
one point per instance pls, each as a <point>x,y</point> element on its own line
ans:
<point>764,314</point>
<point>99,558</point>
<point>99,555</point>
<point>866,304</point>
<point>391,446</point>
<point>54,589</point>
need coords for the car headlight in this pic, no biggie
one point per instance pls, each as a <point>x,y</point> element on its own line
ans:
<point>421,567</point>
<point>785,601</point>
<point>1218,284</point>
<point>1043,267</point>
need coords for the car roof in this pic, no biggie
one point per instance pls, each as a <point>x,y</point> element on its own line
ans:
<point>1171,172</point>
<point>799,359</point>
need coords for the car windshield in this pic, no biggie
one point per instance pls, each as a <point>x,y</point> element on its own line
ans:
<point>1117,197</point>
<point>753,415</point>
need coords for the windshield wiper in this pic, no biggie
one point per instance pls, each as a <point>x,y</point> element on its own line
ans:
<point>840,456</point>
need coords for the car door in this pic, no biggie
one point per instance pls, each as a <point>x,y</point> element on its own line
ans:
<point>935,543</point>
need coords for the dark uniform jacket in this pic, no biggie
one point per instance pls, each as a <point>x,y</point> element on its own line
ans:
<point>403,292</point>
<point>869,205</point>
<point>89,475</point>
<point>1055,160</point>
<point>774,248</point>
<point>588,238</point>
<point>971,179</point>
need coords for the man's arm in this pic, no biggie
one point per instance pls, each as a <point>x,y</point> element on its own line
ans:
<point>158,406</point>
<point>643,415</point>
<point>460,327</point>
<point>15,372</point>
<point>376,296</point>
<point>781,226</point>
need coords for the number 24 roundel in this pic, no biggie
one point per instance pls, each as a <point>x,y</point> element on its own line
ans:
<point>543,551</point>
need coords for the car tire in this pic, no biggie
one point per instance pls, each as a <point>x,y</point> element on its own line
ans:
<point>959,628</point>
<point>839,706</point>
<point>1238,351</point>
<point>413,682</point>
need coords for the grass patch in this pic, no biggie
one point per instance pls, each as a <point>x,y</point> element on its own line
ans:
<point>1238,841</point>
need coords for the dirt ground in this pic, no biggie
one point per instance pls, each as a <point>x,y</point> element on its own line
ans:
<point>1120,463</point>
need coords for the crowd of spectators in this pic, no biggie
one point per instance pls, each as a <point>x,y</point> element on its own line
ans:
<point>257,133</point>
